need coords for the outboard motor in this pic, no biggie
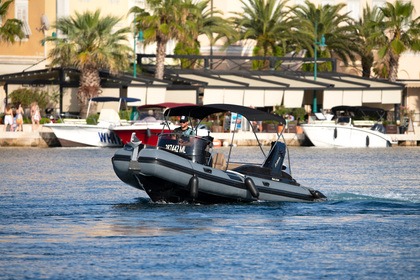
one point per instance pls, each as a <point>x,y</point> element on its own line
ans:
<point>275,158</point>
<point>378,127</point>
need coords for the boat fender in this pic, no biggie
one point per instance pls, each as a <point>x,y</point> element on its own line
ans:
<point>193,186</point>
<point>148,133</point>
<point>250,185</point>
<point>367,141</point>
<point>335,133</point>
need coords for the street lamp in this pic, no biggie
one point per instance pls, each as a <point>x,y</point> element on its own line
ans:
<point>322,46</point>
<point>137,37</point>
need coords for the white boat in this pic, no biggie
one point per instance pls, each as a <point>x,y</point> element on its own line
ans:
<point>343,131</point>
<point>76,133</point>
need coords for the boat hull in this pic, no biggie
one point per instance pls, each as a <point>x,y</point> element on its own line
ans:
<point>121,162</point>
<point>331,135</point>
<point>146,134</point>
<point>166,176</point>
<point>73,135</point>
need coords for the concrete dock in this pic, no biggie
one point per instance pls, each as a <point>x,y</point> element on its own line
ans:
<point>44,137</point>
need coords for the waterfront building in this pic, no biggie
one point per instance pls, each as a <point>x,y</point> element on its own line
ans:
<point>38,16</point>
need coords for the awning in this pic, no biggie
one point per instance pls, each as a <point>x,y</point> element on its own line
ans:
<point>352,97</point>
<point>254,98</point>
<point>137,92</point>
<point>391,96</point>
<point>182,96</point>
<point>234,96</point>
<point>332,98</point>
<point>155,95</point>
<point>212,96</point>
<point>372,96</point>
<point>293,98</point>
<point>273,97</point>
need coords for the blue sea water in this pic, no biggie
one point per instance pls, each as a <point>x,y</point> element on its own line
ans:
<point>65,215</point>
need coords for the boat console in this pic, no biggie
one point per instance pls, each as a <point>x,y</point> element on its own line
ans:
<point>196,148</point>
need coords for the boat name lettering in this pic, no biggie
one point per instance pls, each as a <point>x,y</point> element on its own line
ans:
<point>110,138</point>
<point>176,148</point>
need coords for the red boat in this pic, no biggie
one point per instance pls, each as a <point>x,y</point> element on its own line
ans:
<point>148,124</point>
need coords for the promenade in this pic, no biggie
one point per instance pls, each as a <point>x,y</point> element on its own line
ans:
<point>44,137</point>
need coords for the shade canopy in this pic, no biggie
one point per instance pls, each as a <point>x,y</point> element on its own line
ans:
<point>114,99</point>
<point>200,112</point>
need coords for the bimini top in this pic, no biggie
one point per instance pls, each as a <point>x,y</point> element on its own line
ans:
<point>164,105</point>
<point>200,112</point>
<point>360,111</point>
<point>114,99</point>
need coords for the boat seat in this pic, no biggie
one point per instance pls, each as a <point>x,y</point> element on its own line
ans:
<point>219,161</point>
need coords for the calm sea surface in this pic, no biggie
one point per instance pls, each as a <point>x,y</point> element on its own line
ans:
<point>65,215</point>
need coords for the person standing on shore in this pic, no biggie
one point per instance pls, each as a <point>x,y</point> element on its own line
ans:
<point>8,117</point>
<point>35,115</point>
<point>19,118</point>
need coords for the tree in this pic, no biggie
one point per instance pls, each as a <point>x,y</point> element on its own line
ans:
<point>164,23</point>
<point>12,28</point>
<point>265,22</point>
<point>338,30</point>
<point>402,33</point>
<point>200,20</point>
<point>89,43</point>
<point>370,37</point>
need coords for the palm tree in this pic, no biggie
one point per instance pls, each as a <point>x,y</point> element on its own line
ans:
<point>89,43</point>
<point>402,34</point>
<point>164,23</point>
<point>200,20</point>
<point>265,22</point>
<point>370,37</point>
<point>11,28</point>
<point>338,30</point>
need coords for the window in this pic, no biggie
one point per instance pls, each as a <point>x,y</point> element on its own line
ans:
<point>21,13</point>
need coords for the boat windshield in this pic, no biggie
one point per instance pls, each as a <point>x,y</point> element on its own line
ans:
<point>197,148</point>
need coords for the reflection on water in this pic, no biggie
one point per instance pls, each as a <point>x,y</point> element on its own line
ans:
<point>64,214</point>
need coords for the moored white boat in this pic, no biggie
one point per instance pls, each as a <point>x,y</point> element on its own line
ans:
<point>76,133</point>
<point>342,132</point>
<point>336,135</point>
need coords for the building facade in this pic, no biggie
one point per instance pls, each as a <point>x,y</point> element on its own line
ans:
<point>39,16</point>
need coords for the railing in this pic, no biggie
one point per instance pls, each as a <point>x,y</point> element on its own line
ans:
<point>218,62</point>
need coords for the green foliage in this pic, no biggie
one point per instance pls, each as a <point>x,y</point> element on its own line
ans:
<point>281,110</point>
<point>124,114</point>
<point>92,119</point>
<point>298,113</point>
<point>183,49</point>
<point>44,120</point>
<point>10,29</point>
<point>26,96</point>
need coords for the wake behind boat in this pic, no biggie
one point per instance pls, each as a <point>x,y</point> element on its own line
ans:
<point>77,133</point>
<point>187,169</point>
<point>343,131</point>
